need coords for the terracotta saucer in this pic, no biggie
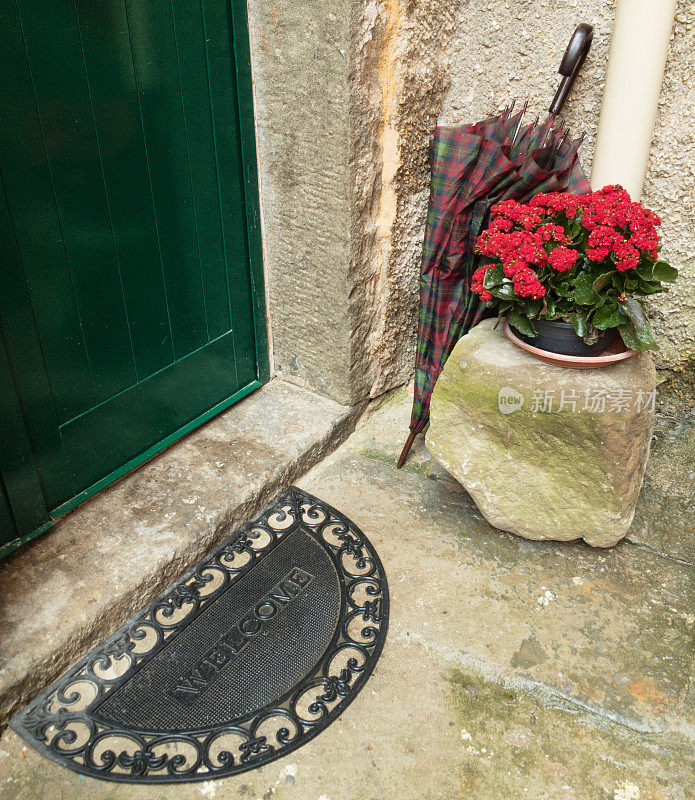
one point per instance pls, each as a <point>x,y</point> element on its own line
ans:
<point>617,351</point>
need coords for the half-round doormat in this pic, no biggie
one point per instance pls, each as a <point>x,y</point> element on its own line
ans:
<point>248,656</point>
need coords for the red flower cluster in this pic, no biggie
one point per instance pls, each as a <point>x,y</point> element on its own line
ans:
<point>554,202</point>
<point>522,215</point>
<point>526,284</point>
<point>619,226</point>
<point>477,284</point>
<point>602,240</point>
<point>627,256</point>
<point>562,259</point>
<point>553,232</point>
<point>512,247</point>
<point>549,231</point>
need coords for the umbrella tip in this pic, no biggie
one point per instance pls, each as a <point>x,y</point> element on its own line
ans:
<point>406,449</point>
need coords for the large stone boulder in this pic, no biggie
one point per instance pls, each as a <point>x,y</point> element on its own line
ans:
<point>546,452</point>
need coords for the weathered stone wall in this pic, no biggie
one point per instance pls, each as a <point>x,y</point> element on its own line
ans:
<point>398,80</point>
<point>421,61</point>
<point>346,103</point>
<point>300,60</point>
<point>670,190</point>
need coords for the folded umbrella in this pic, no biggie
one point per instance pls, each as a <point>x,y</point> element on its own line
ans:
<point>473,167</point>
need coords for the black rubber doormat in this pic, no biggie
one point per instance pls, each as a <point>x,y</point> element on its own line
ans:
<point>248,656</point>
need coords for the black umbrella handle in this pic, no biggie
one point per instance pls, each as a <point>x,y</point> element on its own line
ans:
<point>571,63</point>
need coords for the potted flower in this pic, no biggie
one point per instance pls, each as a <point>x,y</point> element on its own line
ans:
<point>568,270</point>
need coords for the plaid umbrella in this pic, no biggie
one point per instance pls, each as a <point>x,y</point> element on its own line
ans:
<point>473,167</point>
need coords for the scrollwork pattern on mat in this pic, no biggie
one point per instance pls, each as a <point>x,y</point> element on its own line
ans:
<point>61,722</point>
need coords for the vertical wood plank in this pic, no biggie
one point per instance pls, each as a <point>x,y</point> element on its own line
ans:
<point>151,31</point>
<point>8,529</point>
<point>37,227</point>
<point>62,98</point>
<point>224,101</point>
<point>18,468</point>
<point>108,59</point>
<point>191,47</point>
<point>28,365</point>
<point>249,167</point>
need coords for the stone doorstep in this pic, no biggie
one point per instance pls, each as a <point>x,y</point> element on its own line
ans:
<point>68,589</point>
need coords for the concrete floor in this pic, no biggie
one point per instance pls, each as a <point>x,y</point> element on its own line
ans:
<point>512,669</point>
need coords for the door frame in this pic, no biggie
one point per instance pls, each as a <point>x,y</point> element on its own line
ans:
<point>240,46</point>
<point>252,201</point>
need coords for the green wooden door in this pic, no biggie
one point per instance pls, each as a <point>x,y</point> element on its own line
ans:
<point>131,300</point>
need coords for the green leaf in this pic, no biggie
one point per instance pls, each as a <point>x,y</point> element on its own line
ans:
<point>645,270</point>
<point>619,280</point>
<point>637,329</point>
<point>646,287</point>
<point>629,337</point>
<point>663,271</point>
<point>550,305</point>
<point>493,276</point>
<point>634,311</point>
<point>503,292</point>
<point>658,271</point>
<point>533,307</point>
<point>583,292</point>
<point>601,282</point>
<point>635,341</point>
<point>580,323</point>
<point>522,324</point>
<point>608,316</point>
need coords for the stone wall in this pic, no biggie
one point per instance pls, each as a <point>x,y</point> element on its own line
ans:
<point>347,99</point>
<point>300,63</point>
<point>424,61</point>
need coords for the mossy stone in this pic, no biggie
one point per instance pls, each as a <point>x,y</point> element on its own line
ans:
<point>546,452</point>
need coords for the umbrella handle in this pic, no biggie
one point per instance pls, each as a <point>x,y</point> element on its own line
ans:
<point>571,63</point>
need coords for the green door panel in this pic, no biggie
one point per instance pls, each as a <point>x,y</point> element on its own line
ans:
<point>19,329</point>
<point>124,161</point>
<point>22,505</point>
<point>7,525</point>
<point>131,300</point>
<point>36,225</point>
<point>62,97</point>
<point>148,412</point>
<point>225,100</point>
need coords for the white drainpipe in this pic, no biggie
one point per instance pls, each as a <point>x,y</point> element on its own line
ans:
<point>639,47</point>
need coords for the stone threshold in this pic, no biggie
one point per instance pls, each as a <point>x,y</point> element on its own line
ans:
<point>68,589</point>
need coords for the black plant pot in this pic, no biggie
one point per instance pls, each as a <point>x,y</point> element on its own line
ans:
<point>559,337</point>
